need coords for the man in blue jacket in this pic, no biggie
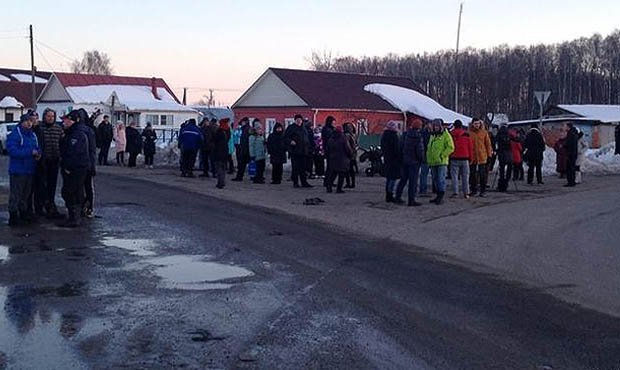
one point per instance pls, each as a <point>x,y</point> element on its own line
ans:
<point>23,148</point>
<point>190,141</point>
<point>75,153</point>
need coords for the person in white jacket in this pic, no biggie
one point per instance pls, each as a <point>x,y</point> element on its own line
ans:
<point>582,148</point>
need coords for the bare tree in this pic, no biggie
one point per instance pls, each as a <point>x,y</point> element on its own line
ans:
<point>93,62</point>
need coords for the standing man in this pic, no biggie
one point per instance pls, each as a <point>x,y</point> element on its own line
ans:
<point>134,143</point>
<point>297,140</point>
<point>243,148</point>
<point>75,164</point>
<point>190,141</point>
<point>482,152</point>
<point>412,152</point>
<point>37,193</point>
<point>219,154</point>
<point>23,149</point>
<point>207,146</point>
<point>534,149</point>
<point>424,168</point>
<point>440,147</point>
<point>572,141</point>
<point>326,134</point>
<point>460,159</point>
<point>50,144</point>
<point>105,135</point>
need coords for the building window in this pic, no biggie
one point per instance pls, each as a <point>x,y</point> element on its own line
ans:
<point>167,120</point>
<point>153,118</point>
<point>8,117</point>
<point>288,122</point>
<point>269,123</point>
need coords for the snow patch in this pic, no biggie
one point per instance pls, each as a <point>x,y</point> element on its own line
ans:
<point>134,97</point>
<point>407,100</point>
<point>597,161</point>
<point>4,78</point>
<point>599,112</point>
<point>10,102</point>
<point>22,77</point>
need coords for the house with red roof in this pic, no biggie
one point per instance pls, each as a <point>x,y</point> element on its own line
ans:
<point>126,99</point>
<point>279,94</point>
<point>16,91</point>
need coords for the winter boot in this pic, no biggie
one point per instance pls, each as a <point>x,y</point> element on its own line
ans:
<point>27,217</point>
<point>413,203</point>
<point>52,212</point>
<point>439,200</point>
<point>389,197</point>
<point>74,218</point>
<point>14,220</point>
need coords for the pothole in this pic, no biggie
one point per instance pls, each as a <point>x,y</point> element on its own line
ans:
<point>194,273</point>
<point>136,247</point>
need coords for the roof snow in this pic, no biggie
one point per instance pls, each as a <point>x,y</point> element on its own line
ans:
<point>22,77</point>
<point>603,113</point>
<point>407,100</point>
<point>10,102</point>
<point>134,97</point>
<point>4,78</point>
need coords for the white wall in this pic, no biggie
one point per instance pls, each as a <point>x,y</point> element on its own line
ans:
<point>179,118</point>
<point>16,113</point>
<point>270,91</point>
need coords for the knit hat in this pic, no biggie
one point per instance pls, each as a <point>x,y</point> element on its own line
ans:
<point>437,121</point>
<point>458,124</point>
<point>392,126</point>
<point>24,117</point>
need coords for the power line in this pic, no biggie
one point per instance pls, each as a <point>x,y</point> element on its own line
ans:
<point>44,58</point>
<point>12,37</point>
<point>55,51</point>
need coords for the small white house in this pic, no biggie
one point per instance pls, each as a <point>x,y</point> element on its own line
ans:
<point>126,99</point>
<point>10,109</point>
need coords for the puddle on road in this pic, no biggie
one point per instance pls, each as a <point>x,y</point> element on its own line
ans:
<point>194,273</point>
<point>136,247</point>
<point>4,254</point>
<point>33,336</point>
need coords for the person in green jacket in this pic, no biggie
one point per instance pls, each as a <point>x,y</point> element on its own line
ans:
<point>257,153</point>
<point>440,146</point>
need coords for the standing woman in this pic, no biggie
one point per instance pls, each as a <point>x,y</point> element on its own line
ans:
<point>349,133</point>
<point>339,153</point>
<point>121,143</point>
<point>149,137</point>
<point>504,156</point>
<point>134,143</point>
<point>277,153</point>
<point>392,158</point>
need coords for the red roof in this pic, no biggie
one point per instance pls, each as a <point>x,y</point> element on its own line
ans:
<point>20,90</point>
<point>339,90</point>
<point>76,79</point>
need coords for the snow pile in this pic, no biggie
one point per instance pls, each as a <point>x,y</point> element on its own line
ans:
<point>4,78</point>
<point>603,113</point>
<point>597,161</point>
<point>407,100</point>
<point>22,77</point>
<point>10,102</point>
<point>169,155</point>
<point>134,97</point>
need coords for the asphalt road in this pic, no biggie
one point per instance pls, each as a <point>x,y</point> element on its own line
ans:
<point>164,278</point>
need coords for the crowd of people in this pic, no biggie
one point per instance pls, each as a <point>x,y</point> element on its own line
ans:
<point>40,150</point>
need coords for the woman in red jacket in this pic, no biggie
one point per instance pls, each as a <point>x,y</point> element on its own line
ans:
<point>516,147</point>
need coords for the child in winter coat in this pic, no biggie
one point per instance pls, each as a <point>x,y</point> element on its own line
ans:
<point>517,158</point>
<point>257,153</point>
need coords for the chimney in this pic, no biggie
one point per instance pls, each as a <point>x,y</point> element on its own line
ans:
<point>154,89</point>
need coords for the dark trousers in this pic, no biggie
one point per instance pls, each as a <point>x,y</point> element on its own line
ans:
<point>89,191</point>
<point>505,174</point>
<point>408,175</point>
<point>319,165</point>
<point>220,172</point>
<point>51,180</point>
<point>38,190</point>
<point>188,160</point>
<point>205,157</point>
<point>241,164</point>
<point>478,177</point>
<point>230,164</point>
<point>148,159</point>
<point>20,189</point>
<point>332,177</point>
<point>537,165</point>
<point>276,172</point>
<point>120,158</point>
<point>571,170</point>
<point>260,171</point>
<point>298,163</point>
<point>518,171</point>
<point>103,154</point>
<point>73,188</point>
<point>133,156</point>
<point>350,175</point>
<point>309,164</point>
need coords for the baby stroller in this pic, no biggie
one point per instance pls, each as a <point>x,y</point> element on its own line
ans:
<point>374,156</point>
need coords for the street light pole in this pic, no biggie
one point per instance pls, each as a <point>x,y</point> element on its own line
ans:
<point>456,62</point>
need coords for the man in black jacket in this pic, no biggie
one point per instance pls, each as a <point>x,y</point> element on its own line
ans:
<point>534,149</point>
<point>243,154</point>
<point>572,138</point>
<point>105,135</point>
<point>51,133</point>
<point>75,164</point>
<point>298,144</point>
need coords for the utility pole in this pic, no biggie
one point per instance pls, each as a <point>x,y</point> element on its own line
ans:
<point>456,62</point>
<point>34,87</point>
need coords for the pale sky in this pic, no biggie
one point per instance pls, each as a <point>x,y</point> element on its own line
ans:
<point>225,45</point>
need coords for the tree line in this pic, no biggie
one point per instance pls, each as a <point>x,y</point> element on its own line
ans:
<point>502,79</point>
